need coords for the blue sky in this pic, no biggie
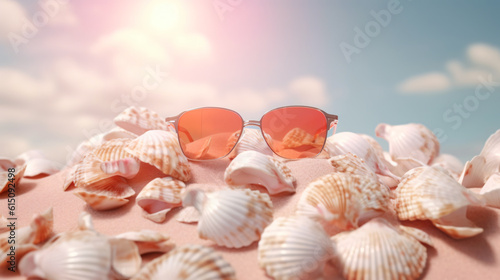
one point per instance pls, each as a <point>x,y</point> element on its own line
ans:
<point>68,80</point>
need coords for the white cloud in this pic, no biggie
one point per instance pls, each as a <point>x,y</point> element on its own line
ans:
<point>431,82</point>
<point>12,17</point>
<point>309,91</point>
<point>484,61</point>
<point>193,46</point>
<point>64,15</point>
<point>17,86</point>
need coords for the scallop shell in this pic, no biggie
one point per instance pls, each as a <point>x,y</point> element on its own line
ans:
<point>294,247</point>
<point>345,200</point>
<point>161,149</point>
<point>82,254</point>
<point>41,167</point>
<point>5,180</point>
<point>231,218</point>
<point>159,196</point>
<point>299,137</point>
<point>126,167</point>
<point>188,262</point>
<point>352,164</point>
<point>252,167</point>
<point>27,238</point>
<point>188,214</point>
<point>349,142</point>
<point>83,149</point>
<point>410,141</point>
<point>149,241</point>
<point>379,250</point>
<point>139,120</point>
<point>430,193</point>
<point>6,163</point>
<point>100,201</point>
<point>118,133</point>
<point>491,191</point>
<point>477,171</point>
<point>251,140</point>
<point>113,149</point>
<point>450,163</point>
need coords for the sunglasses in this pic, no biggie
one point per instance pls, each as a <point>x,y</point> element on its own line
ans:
<point>292,132</point>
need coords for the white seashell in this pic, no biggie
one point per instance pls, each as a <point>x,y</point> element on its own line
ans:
<point>430,193</point>
<point>231,218</point>
<point>7,181</point>
<point>251,140</point>
<point>161,149</point>
<point>6,163</point>
<point>75,255</point>
<point>125,258</point>
<point>379,250</point>
<point>252,167</point>
<point>418,234</point>
<point>188,262</point>
<point>28,156</point>
<point>491,191</point>
<point>188,214</point>
<point>126,167</point>
<point>69,178</point>
<point>343,199</point>
<point>457,225</point>
<point>83,149</point>
<point>99,201</point>
<point>139,120</point>
<point>410,141</point>
<point>41,166</point>
<point>349,142</point>
<point>450,163</point>
<point>118,133</point>
<point>149,241</point>
<point>159,196</point>
<point>113,149</point>
<point>352,164</point>
<point>477,171</point>
<point>294,247</point>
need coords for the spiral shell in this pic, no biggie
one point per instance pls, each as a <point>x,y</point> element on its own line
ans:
<point>188,262</point>
<point>231,218</point>
<point>294,247</point>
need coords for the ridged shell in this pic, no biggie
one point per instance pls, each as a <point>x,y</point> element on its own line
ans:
<point>83,149</point>
<point>113,149</point>
<point>252,167</point>
<point>410,141</point>
<point>118,133</point>
<point>349,142</point>
<point>126,167</point>
<point>378,250</point>
<point>37,164</point>
<point>491,191</point>
<point>450,163</point>
<point>188,262</point>
<point>139,120</point>
<point>159,196</point>
<point>161,149</point>
<point>343,199</point>
<point>231,218</point>
<point>352,164</point>
<point>188,214</point>
<point>149,241</point>
<point>299,137</point>
<point>294,247</point>
<point>430,193</point>
<point>478,170</point>
<point>251,140</point>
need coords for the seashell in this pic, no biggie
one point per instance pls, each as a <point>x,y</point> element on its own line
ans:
<point>410,141</point>
<point>139,120</point>
<point>252,167</point>
<point>231,218</point>
<point>99,201</point>
<point>457,225</point>
<point>430,193</point>
<point>6,180</point>
<point>118,133</point>
<point>161,149</point>
<point>113,149</point>
<point>27,238</point>
<point>149,241</point>
<point>294,247</point>
<point>125,258</point>
<point>251,140</point>
<point>188,262</point>
<point>349,142</point>
<point>126,167</point>
<point>379,250</point>
<point>491,191</point>
<point>418,234</point>
<point>345,200</point>
<point>477,171</point>
<point>159,196</point>
<point>188,214</point>
<point>28,156</point>
<point>6,163</point>
<point>352,164</point>
<point>83,149</point>
<point>450,163</point>
<point>299,137</point>
<point>41,166</point>
<point>69,178</point>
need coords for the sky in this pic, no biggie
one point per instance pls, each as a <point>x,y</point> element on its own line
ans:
<point>67,68</point>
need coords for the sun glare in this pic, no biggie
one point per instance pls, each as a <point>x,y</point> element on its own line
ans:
<point>164,15</point>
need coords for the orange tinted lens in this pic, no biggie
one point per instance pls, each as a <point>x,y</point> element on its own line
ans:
<point>295,132</point>
<point>209,133</point>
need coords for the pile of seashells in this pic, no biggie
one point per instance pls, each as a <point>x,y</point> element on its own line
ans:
<point>364,199</point>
